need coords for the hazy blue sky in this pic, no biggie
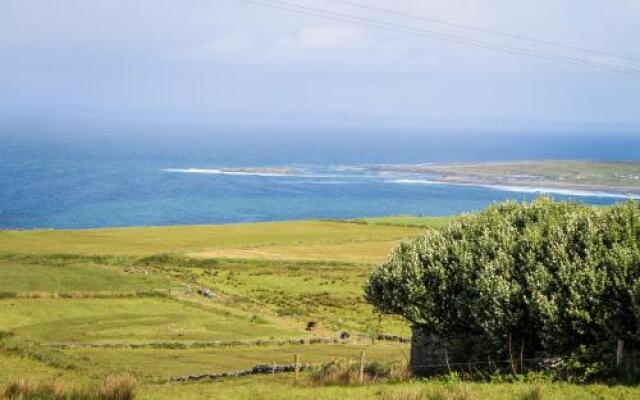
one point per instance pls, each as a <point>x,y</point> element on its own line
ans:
<point>237,63</point>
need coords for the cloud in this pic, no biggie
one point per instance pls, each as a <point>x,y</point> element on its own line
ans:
<point>328,38</point>
<point>317,45</point>
<point>221,47</point>
<point>206,56</point>
<point>307,41</point>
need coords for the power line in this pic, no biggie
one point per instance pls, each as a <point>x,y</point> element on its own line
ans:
<point>485,30</point>
<point>336,16</point>
<point>461,40</point>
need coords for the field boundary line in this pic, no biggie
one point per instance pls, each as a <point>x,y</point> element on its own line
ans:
<point>229,343</point>
<point>259,369</point>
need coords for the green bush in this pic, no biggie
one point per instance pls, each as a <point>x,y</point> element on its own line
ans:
<point>546,277</point>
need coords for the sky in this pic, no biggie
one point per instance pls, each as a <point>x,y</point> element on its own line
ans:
<point>240,64</point>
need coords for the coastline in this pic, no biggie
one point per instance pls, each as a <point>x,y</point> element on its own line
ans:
<point>566,190</point>
<point>573,178</point>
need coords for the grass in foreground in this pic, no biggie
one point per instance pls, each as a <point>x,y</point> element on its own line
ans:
<point>117,387</point>
<point>281,387</point>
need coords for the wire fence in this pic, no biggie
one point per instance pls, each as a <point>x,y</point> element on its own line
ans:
<point>560,364</point>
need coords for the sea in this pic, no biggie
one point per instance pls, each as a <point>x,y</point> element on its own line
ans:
<point>115,179</point>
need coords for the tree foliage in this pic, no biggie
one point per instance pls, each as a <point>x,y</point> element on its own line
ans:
<point>557,276</point>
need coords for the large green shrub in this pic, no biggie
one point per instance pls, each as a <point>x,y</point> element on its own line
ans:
<point>553,277</point>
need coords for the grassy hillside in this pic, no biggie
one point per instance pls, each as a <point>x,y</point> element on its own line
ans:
<point>131,320</point>
<point>160,363</point>
<point>21,275</point>
<point>324,237</point>
<point>78,305</point>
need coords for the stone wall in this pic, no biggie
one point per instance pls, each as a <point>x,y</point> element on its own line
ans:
<point>258,369</point>
<point>429,352</point>
<point>432,354</point>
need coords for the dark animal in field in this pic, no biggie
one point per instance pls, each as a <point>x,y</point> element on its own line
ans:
<point>344,335</point>
<point>208,293</point>
<point>311,325</point>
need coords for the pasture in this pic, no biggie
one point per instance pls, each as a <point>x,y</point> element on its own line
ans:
<point>79,305</point>
<point>212,238</point>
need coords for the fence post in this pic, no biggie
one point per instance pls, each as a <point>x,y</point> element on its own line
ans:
<point>273,369</point>
<point>619,352</point>
<point>362,359</point>
<point>513,367</point>
<point>296,366</point>
<point>522,357</point>
<point>446,359</point>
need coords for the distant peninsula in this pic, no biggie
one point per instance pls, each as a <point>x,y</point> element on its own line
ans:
<point>620,178</point>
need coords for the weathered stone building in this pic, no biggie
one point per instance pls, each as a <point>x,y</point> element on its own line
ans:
<point>429,352</point>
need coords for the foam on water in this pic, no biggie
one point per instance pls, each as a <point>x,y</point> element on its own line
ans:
<point>525,189</point>
<point>342,175</point>
<point>216,171</point>
<point>565,192</point>
<point>421,182</point>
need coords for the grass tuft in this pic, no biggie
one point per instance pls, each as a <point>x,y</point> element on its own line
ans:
<point>347,373</point>
<point>532,393</point>
<point>117,387</point>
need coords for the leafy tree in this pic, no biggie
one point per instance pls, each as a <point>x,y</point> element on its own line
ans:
<point>556,277</point>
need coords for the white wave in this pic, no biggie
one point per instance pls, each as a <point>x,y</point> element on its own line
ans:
<point>257,172</point>
<point>216,171</point>
<point>420,182</point>
<point>333,182</point>
<point>566,192</point>
<point>526,189</point>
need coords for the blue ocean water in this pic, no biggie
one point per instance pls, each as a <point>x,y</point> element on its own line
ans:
<point>79,181</point>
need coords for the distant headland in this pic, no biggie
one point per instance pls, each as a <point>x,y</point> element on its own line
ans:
<point>567,177</point>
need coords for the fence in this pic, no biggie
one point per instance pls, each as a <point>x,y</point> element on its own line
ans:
<point>564,367</point>
<point>296,367</point>
<point>600,367</point>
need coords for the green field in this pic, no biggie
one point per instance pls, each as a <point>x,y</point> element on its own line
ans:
<point>323,236</point>
<point>66,296</point>
<point>567,174</point>
<point>175,362</point>
<point>22,275</point>
<point>329,293</point>
<point>615,174</point>
<point>127,320</point>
